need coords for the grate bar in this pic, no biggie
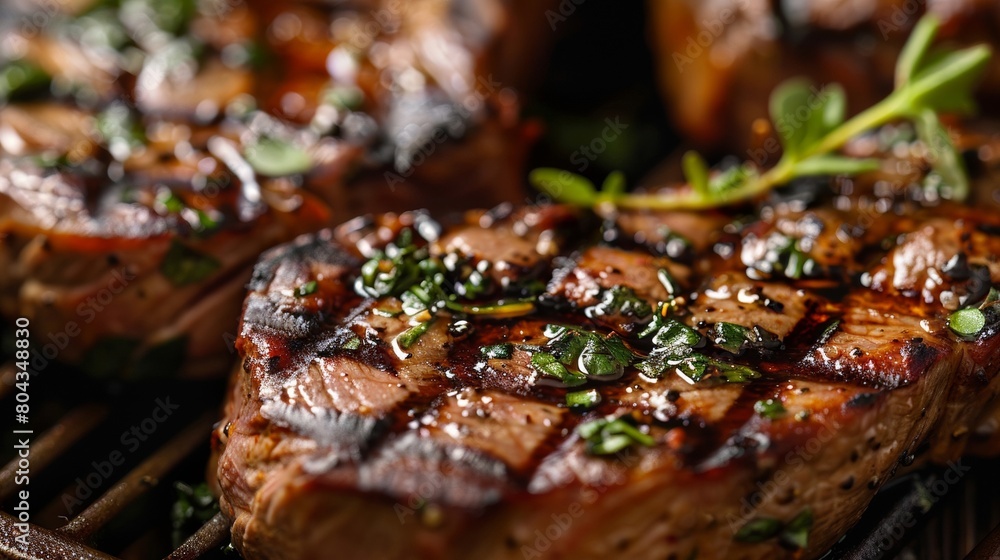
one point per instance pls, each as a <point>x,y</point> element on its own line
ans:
<point>211,535</point>
<point>42,544</point>
<point>989,548</point>
<point>140,479</point>
<point>70,428</point>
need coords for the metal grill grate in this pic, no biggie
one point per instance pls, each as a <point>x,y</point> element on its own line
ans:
<point>108,527</point>
<point>73,453</point>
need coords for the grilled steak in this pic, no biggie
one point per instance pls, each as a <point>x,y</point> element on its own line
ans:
<point>539,383</point>
<point>719,60</point>
<point>147,157</point>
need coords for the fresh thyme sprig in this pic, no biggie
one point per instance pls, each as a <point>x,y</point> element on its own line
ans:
<point>812,129</point>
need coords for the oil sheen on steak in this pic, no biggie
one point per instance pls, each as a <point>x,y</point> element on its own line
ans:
<point>344,432</point>
<point>133,202</point>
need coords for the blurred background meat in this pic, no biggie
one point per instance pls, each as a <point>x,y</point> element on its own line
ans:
<point>170,143</point>
<point>719,60</point>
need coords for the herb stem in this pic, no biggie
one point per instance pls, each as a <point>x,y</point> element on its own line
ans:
<point>889,109</point>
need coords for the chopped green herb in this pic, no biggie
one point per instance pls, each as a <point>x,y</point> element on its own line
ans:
<point>674,344</point>
<point>619,300</point>
<point>193,508</point>
<point>758,530</point>
<point>607,436</point>
<point>121,133</point>
<point>771,409</point>
<point>170,201</point>
<point>20,77</point>
<point>573,354</point>
<point>183,265</point>
<point>276,158</point>
<point>502,351</point>
<point>735,338</point>
<point>549,366</point>
<point>967,322</point>
<point>828,332</point>
<point>352,342</point>
<point>306,289</point>
<point>668,281</point>
<point>583,399</point>
<point>796,532</point>
<point>731,337</point>
<point>344,97</point>
<point>408,337</point>
<point>991,298</point>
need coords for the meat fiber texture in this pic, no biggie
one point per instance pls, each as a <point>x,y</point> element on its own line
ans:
<point>338,437</point>
<point>142,180</point>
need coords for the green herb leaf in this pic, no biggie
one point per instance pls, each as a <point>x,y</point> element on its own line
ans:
<point>771,409</point>
<point>183,265</point>
<point>967,322</point>
<point>991,298</point>
<point>758,530</point>
<point>353,342</point>
<point>796,532</point>
<point>912,58</point>
<point>583,399</point>
<point>410,336</point>
<point>276,158</point>
<point>502,351</point>
<point>607,436</point>
<point>170,201</point>
<point>947,81</point>
<point>619,300</point>
<point>549,366</point>
<point>564,186</point>
<point>306,289</point>
<point>193,508</point>
<point>344,97</point>
<point>828,332</point>
<point>613,185</point>
<point>668,281</point>
<point>942,154</point>
<point>732,337</point>
<point>790,110</point>
<point>696,172</point>
<point>121,133</point>
<point>21,77</point>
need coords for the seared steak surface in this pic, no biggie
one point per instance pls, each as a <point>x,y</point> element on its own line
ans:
<point>537,382</point>
<point>148,156</point>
